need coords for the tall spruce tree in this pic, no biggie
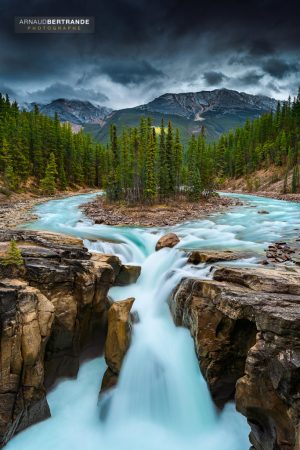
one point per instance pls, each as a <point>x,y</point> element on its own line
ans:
<point>150,176</point>
<point>48,183</point>
<point>163,164</point>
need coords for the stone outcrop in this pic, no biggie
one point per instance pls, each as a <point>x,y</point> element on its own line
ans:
<point>117,340</point>
<point>246,328</point>
<point>212,256</point>
<point>282,252</point>
<point>26,318</point>
<point>128,275</point>
<point>168,240</point>
<point>55,310</point>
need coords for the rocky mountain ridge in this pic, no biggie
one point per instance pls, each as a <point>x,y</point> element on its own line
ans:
<point>76,112</point>
<point>218,111</point>
<point>194,105</point>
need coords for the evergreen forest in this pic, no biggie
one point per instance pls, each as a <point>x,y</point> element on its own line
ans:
<point>145,164</point>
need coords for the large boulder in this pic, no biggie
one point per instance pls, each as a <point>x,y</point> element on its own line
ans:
<point>212,256</point>
<point>128,275</point>
<point>169,240</point>
<point>117,340</point>
<point>246,328</point>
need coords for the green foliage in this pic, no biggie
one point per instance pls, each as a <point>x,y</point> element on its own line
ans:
<point>48,183</point>
<point>150,175</point>
<point>13,255</point>
<point>27,139</point>
<point>148,167</point>
<point>271,140</point>
<point>138,165</point>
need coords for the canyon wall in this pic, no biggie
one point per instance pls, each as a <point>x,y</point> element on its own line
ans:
<point>246,328</point>
<point>52,309</point>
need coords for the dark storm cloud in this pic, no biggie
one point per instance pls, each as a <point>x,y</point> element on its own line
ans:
<point>153,47</point>
<point>125,71</point>
<point>58,90</point>
<point>273,87</point>
<point>278,68</point>
<point>213,78</point>
<point>128,72</point>
<point>250,78</point>
<point>7,90</point>
<point>261,47</point>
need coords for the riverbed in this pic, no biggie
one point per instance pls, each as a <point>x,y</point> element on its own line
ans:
<point>161,401</point>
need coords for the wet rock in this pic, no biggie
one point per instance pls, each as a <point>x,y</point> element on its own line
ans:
<point>118,334</point>
<point>261,279</point>
<point>128,275</point>
<point>211,256</point>
<point>172,213</point>
<point>169,240</point>
<point>54,310</point>
<point>26,319</point>
<point>109,380</point>
<point>263,211</point>
<point>117,340</point>
<point>283,252</point>
<point>246,327</point>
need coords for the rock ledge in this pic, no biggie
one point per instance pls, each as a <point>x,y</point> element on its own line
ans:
<point>246,327</point>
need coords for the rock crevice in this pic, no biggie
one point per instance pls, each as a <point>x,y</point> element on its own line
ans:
<point>246,328</point>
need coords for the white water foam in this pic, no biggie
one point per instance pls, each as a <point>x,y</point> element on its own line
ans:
<point>161,401</point>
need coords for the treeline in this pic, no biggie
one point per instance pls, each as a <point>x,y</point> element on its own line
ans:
<point>142,164</point>
<point>273,140</point>
<point>148,164</point>
<point>36,148</point>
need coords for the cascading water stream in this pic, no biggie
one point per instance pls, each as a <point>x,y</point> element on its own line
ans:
<point>161,401</point>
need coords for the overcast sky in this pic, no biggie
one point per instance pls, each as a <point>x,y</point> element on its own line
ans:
<point>144,48</point>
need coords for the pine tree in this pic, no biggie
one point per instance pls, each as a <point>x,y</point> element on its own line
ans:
<point>163,164</point>
<point>48,183</point>
<point>10,177</point>
<point>193,167</point>
<point>178,160</point>
<point>4,155</point>
<point>196,186</point>
<point>13,255</point>
<point>150,181</point>
<point>170,161</point>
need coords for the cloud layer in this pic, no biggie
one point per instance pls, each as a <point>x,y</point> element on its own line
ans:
<point>141,50</point>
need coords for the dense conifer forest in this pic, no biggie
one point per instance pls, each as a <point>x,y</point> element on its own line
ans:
<point>145,164</point>
<point>40,150</point>
<point>141,164</point>
<point>271,141</point>
<point>149,165</point>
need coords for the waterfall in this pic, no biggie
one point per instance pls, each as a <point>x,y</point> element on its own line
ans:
<point>161,401</point>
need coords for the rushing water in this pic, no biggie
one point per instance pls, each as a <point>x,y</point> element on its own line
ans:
<point>161,401</point>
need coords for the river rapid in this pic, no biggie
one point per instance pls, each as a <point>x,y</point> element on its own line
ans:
<point>161,401</point>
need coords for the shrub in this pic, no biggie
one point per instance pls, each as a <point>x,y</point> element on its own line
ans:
<point>13,255</point>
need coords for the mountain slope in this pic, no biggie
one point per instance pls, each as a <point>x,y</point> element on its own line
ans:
<point>194,105</point>
<point>218,111</point>
<point>76,112</point>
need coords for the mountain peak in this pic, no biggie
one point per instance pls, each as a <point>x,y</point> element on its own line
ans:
<point>77,112</point>
<point>193,105</point>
